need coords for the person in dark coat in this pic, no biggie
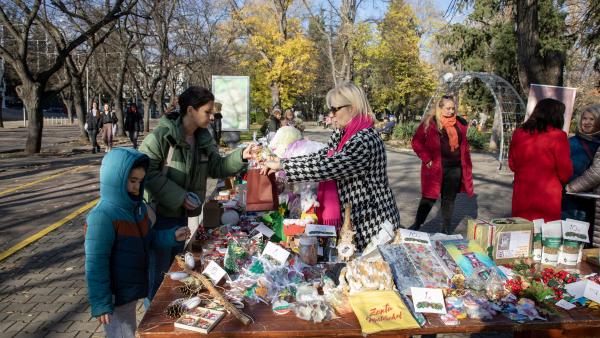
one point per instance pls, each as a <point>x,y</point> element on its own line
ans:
<point>215,123</point>
<point>109,120</point>
<point>134,124</point>
<point>441,144</point>
<point>273,123</point>
<point>93,125</point>
<point>539,156</point>
<point>583,146</point>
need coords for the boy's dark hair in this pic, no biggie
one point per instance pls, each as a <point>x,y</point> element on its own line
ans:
<point>546,112</point>
<point>195,97</point>
<point>143,163</point>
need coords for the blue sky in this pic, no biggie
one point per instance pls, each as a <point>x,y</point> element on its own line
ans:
<point>375,8</point>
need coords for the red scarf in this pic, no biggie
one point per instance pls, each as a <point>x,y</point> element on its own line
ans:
<point>329,211</point>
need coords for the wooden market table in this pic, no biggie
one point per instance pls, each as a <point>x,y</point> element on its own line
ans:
<point>579,322</point>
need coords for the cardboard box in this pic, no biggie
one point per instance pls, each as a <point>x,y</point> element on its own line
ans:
<point>504,239</point>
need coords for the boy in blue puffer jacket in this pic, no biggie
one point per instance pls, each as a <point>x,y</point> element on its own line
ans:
<point>118,235</point>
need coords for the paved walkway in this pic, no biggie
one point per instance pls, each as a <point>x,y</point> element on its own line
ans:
<point>42,287</point>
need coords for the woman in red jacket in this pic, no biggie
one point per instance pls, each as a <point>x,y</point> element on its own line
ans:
<point>441,144</point>
<point>539,156</point>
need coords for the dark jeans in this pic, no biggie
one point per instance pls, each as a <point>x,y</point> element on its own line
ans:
<point>160,260</point>
<point>133,136</point>
<point>93,134</point>
<point>450,188</point>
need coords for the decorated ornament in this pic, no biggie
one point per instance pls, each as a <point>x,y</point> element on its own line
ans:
<point>189,260</point>
<point>230,217</point>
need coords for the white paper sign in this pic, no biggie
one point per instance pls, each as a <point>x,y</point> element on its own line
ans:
<point>576,289</point>
<point>513,244</point>
<point>320,230</point>
<point>265,230</point>
<point>565,305</point>
<point>414,236</point>
<point>276,252</point>
<point>592,291</point>
<point>574,230</point>
<point>428,300</point>
<point>214,272</point>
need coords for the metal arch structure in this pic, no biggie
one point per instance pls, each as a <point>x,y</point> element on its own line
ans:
<point>509,109</point>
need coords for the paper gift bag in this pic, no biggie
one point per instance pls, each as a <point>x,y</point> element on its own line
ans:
<point>262,192</point>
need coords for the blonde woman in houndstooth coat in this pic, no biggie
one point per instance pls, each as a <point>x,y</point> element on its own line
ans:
<point>351,169</point>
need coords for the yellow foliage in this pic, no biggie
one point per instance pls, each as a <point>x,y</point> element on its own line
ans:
<point>280,57</point>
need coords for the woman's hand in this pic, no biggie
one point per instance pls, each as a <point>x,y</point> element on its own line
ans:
<point>188,204</point>
<point>104,319</point>
<point>250,151</point>
<point>428,165</point>
<point>182,234</point>
<point>568,188</point>
<point>271,165</point>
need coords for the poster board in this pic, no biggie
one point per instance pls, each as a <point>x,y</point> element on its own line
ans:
<point>233,92</point>
<point>565,95</point>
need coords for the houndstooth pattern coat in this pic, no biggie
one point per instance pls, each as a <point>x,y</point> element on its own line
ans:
<point>360,171</point>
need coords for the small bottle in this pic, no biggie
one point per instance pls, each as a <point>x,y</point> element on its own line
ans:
<point>308,250</point>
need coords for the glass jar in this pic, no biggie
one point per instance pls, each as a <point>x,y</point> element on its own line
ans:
<point>308,250</point>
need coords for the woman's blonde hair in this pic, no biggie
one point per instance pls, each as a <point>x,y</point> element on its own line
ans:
<point>348,93</point>
<point>595,111</point>
<point>436,112</point>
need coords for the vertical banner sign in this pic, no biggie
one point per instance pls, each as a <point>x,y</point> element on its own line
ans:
<point>565,95</point>
<point>233,92</point>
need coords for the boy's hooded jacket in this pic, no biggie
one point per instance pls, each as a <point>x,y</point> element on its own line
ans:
<point>189,168</point>
<point>118,236</point>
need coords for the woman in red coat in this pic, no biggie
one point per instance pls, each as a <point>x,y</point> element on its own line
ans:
<point>441,144</point>
<point>539,156</point>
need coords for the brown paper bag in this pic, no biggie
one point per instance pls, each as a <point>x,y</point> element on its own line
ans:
<point>262,192</point>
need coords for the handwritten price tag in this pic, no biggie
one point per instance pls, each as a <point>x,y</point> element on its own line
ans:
<point>414,236</point>
<point>214,272</point>
<point>276,252</point>
<point>265,230</point>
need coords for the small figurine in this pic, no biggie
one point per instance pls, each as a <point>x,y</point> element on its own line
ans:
<point>346,247</point>
<point>309,205</point>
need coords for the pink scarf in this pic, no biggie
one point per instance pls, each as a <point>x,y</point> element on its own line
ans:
<point>329,210</point>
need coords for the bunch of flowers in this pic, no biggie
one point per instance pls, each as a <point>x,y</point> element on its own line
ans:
<point>538,284</point>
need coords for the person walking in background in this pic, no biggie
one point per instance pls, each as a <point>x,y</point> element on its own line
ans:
<point>92,125</point>
<point>134,124</point>
<point>539,156</point>
<point>109,120</point>
<point>446,169</point>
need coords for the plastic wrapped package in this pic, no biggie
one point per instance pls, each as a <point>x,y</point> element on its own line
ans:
<point>403,271</point>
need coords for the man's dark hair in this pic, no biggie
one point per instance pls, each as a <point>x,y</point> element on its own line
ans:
<point>546,112</point>
<point>195,97</point>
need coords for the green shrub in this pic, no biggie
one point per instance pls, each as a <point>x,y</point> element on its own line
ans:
<point>405,131</point>
<point>478,140</point>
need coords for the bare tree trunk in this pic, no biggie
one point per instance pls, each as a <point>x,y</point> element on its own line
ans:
<point>147,102</point>
<point>68,102</point>
<point>533,68</point>
<point>31,95</point>
<point>79,103</point>
<point>275,98</point>
<point>120,114</point>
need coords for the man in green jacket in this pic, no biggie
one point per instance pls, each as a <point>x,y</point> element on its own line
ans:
<point>183,155</point>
